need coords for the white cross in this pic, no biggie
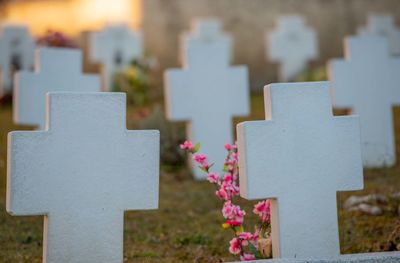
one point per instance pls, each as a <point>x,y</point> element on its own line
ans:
<point>115,47</point>
<point>82,173</point>
<point>204,31</point>
<point>207,92</point>
<point>57,69</point>
<point>16,53</point>
<point>368,82</point>
<point>383,25</point>
<point>301,156</point>
<point>292,45</point>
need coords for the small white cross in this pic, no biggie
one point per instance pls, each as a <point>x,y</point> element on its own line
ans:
<point>16,53</point>
<point>82,173</point>
<point>115,47</point>
<point>56,69</point>
<point>293,45</point>
<point>383,25</point>
<point>301,155</point>
<point>368,82</point>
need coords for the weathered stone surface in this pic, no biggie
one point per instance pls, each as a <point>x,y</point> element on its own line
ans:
<point>300,156</point>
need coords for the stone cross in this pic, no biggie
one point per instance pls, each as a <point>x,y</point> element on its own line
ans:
<point>383,25</point>
<point>82,173</point>
<point>115,47</point>
<point>368,82</point>
<point>204,31</point>
<point>293,45</point>
<point>16,53</point>
<point>300,156</point>
<point>57,69</point>
<point>207,93</point>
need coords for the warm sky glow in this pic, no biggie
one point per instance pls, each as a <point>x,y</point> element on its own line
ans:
<point>73,16</point>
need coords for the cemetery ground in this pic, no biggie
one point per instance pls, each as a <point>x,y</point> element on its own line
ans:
<point>187,225</point>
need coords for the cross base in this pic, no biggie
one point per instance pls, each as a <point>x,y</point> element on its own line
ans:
<point>382,257</point>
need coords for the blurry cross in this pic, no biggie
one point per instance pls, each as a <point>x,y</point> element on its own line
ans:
<point>16,52</point>
<point>383,25</point>
<point>115,47</point>
<point>292,44</point>
<point>207,92</point>
<point>57,69</point>
<point>368,82</point>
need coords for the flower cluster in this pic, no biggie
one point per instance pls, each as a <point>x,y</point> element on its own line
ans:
<point>248,245</point>
<point>56,39</point>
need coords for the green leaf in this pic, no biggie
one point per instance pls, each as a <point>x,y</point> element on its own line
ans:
<point>196,148</point>
<point>254,250</point>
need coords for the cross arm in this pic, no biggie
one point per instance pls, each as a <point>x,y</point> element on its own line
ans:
<point>239,91</point>
<point>23,104</point>
<point>348,164</point>
<point>26,193</point>
<point>178,98</point>
<point>343,89</point>
<point>260,149</point>
<point>142,161</point>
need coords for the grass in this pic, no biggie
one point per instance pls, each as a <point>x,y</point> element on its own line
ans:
<point>187,225</point>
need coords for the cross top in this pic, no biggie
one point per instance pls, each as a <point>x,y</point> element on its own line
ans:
<point>16,52</point>
<point>292,44</point>
<point>82,173</point>
<point>51,60</point>
<point>361,47</point>
<point>207,29</point>
<point>291,23</point>
<point>301,155</point>
<point>56,69</point>
<point>368,76</point>
<point>206,37</point>
<point>383,25</point>
<point>111,118</point>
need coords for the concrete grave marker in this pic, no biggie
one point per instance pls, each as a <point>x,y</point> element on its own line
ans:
<point>301,155</point>
<point>368,82</point>
<point>293,45</point>
<point>383,25</point>
<point>207,93</point>
<point>16,53</point>
<point>82,173</point>
<point>204,31</point>
<point>115,47</point>
<point>57,69</point>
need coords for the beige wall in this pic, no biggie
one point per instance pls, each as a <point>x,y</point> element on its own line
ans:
<point>247,21</point>
<point>70,16</point>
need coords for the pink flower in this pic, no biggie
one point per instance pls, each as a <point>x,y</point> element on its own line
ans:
<point>262,209</point>
<point>234,223</point>
<point>187,145</point>
<point>229,147</point>
<point>247,256</point>
<point>212,178</point>
<point>200,158</point>
<point>245,236</point>
<point>222,194</point>
<point>233,213</point>
<point>228,178</point>
<point>227,209</point>
<point>230,188</point>
<point>235,246</point>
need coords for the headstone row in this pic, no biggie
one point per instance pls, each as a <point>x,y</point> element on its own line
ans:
<point>83,169</point>
<point>115,47</point>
